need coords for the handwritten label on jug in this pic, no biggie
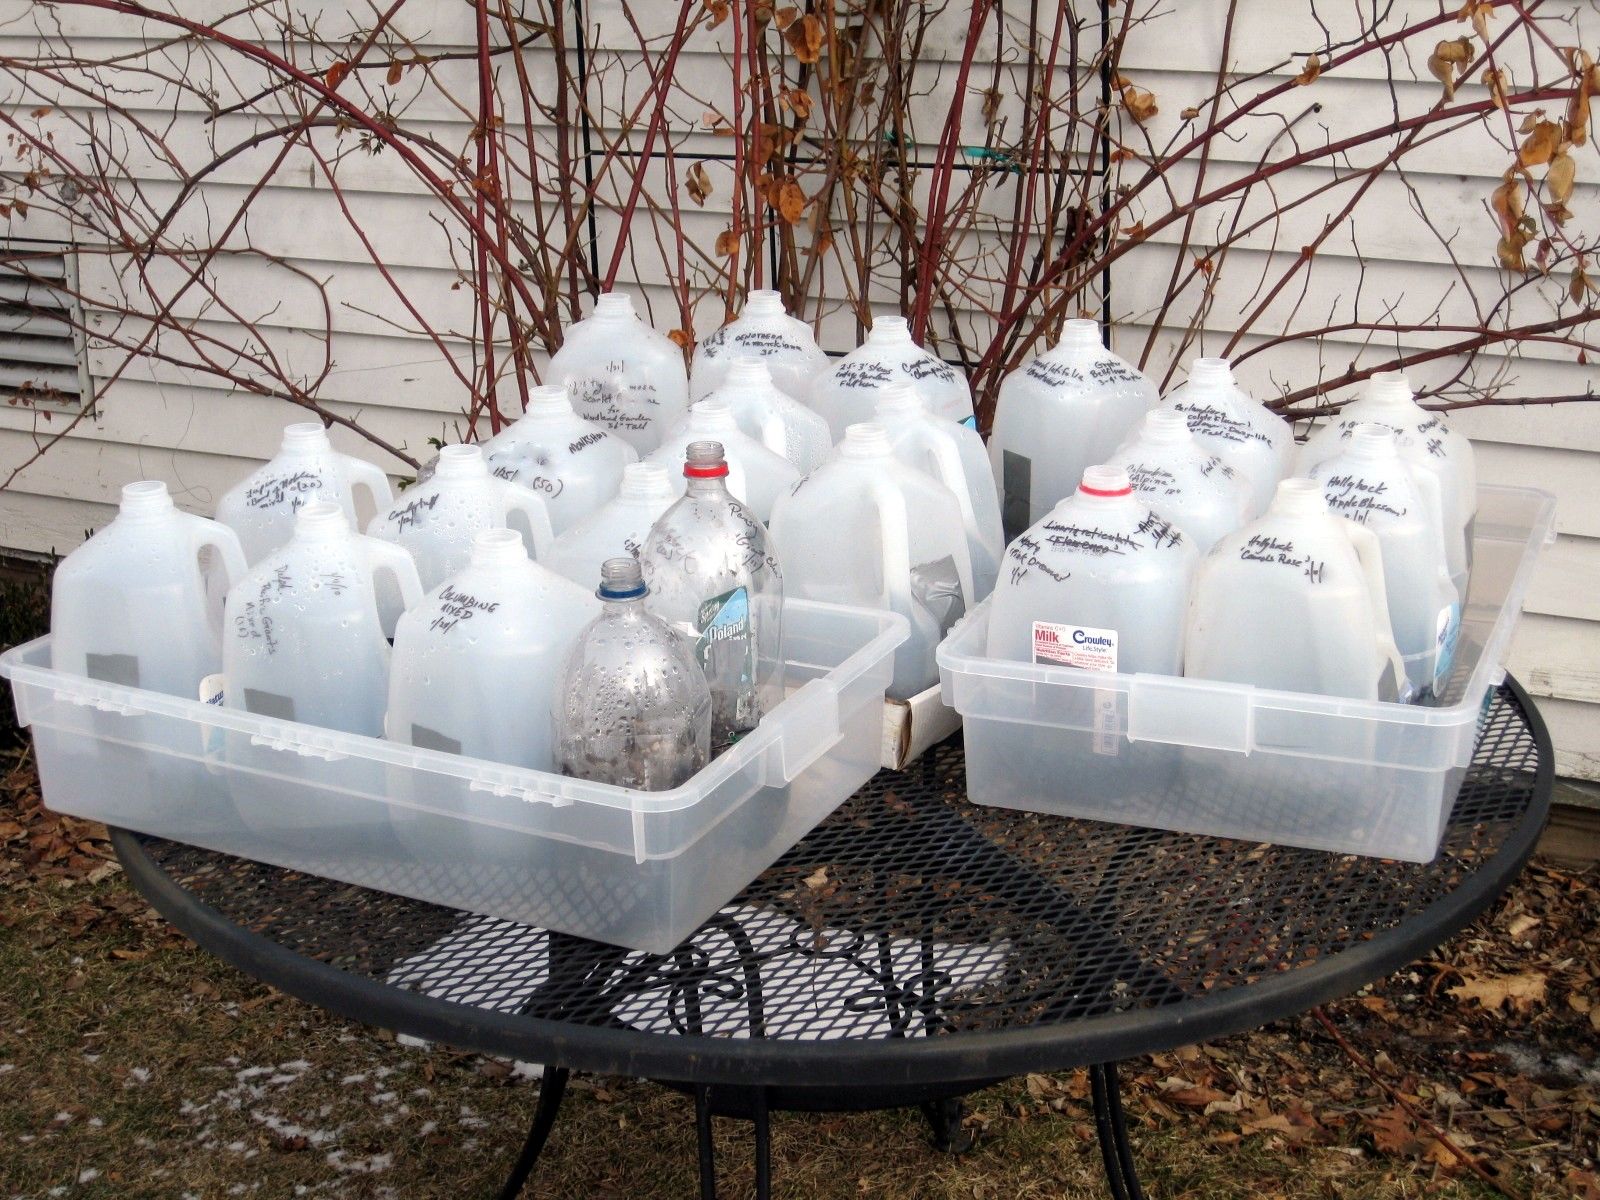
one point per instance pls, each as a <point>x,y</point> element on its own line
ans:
<point>1023,555</point>
<point>862,374</point>
<point>407,515</point>
<point>583,443</point>
<point>458,606</point>
<point>1109,372</point>
<point>1264,548</point>
<point>1207,421</point>
<point>766,342</point>
<point>1357,499</point>
<point>294,488</point>
<point>253,620</point>
<point>1153,480</point>
<point>1083,646</point>
<point>1053,374</point>
<point>929,368</point>
<point>615,403</point>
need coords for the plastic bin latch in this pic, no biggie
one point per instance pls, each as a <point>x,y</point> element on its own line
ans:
<point>295,746</point>
<point>107,706</point>
<point>495,787</point>
<point>1185,712</point>
<point>810,730</point>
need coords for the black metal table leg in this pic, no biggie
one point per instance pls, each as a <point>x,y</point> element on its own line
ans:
<point>551,1089</point>
<point>763,1146</point>
<point>702,1132</point>
<point>944,1121</point>
<point>1112,1128</point>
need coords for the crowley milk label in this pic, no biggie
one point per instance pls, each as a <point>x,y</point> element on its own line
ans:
<point>1081,646</point>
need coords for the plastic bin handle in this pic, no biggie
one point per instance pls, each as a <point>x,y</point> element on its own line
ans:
<point>811,729</point>
<point>516,498</point>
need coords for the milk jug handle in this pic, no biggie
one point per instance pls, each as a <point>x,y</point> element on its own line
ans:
<point>230,558</point>
<point>1370,554</point>
<point>363,474</point>
<point>894,541</point>
<point>773,434</point>
<point>397,560</point>
<point>1427,485</point>
<point>531,505</point>
<point>947,469</point>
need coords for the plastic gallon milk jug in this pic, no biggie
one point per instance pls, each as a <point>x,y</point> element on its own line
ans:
<point>1236,427</point>
<point>1424,440</point>
<point>261,509</point>
<point>846,393</point>
<point>778,421</point>
<point>1100,584</point>
<point>954,455</point>
<point>866,529</point>
<point>301,637</point>
<point>437,520</point>
<point>1369,483</point>
<point>1058,413</point>
<point>477,662</point>
<point>1177,475</point>
<point>617,528</point>
<point>131,605</point>
<point>632,705</point>
<point>573,465</point>
<point>715,579</point>
<point>762,330</point>
<point>756,476</point>
<point>624,376</point>
<point>1295,601</point>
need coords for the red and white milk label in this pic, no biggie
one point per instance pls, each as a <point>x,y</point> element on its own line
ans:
<point>1081,646</point>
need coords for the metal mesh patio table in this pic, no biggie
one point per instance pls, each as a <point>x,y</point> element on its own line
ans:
<point>911,949</point>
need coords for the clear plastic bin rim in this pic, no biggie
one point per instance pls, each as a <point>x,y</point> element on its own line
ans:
<point>809,715</point>
<point>958,654</point>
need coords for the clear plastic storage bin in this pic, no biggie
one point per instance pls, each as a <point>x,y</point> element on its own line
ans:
<point>638,869</point>
<point>1357,777</point>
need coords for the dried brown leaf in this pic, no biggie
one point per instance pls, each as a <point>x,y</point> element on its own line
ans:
<point>1313,68</point>
<point>1559,180</point>
<point>680,338</point>
<point>396,70</point>
<point>805,38</point>
<point>1522,991</point>
<point>336,73</point>
<point>727,243</point>
<point>1540,145</point>
<point>1506,201</point>
<point>785,16</point>
<point>718,10</point>
<point>1448,62</point>
<point>697,182</point>
<point>1478,12</point>
<point>1139,102</point>
<point>791,201</point>
<point>799,102</point>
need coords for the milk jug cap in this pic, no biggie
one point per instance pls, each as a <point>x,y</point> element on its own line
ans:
<point>549,400</point>
<point>305,436</point>
<point>621,578</point>
<point>704,460</point>
<point>1299,497</point>
<point>461,462</point>
<point>899,399</point>
<point>644,481</point>
<point>1080,333</point>
<point>148,496</point>
<point>321,519</point>
<point>712,416</point>
<point>613,306</point>
<point>1105,482</point>
<point>1372,440</point>
<point>894,330</point>
<point>1167,426</point>
<point>748,370</point>
<point>764,302</point>
<point>866,440</point>
<point>1210,372</point>
<point>1389,387</point>
<point>496,547</point>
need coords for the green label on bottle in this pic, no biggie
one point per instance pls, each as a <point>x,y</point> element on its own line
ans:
<point>724,625</point>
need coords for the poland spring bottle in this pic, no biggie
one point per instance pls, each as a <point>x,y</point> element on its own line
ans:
<point>632,705</point>
<point>715,579</point>
<point>756,475</point>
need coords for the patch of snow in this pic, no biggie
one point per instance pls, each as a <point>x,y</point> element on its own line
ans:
<point>416,1043</point>
<point>340,1160</point>
<point>527,1070</point>
<point>427,1128</point>
<point>95,1123</point>
<point>7,1068</point>
<point>348,1080</point>
<point>382,1097</point>
<point>88,1175</point>
<point>288,1129</point>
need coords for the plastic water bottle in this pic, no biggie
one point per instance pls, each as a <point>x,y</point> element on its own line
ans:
<point>131,605</point>
<point>1177,475</point>
<point>756,476</point>
<point>437,520</point>
<point>762,330</point>
<point>954,455</point>
<point>1100,584</point>
<point>616,528</point>
<point>302,639</point>
<point>573,465</point>
<point>1060,412</point>
<point>262,508</point>
<point>1424,440</point>
<point>477,662</point>
<point>846,393</point>
<point>1369,483</point>
<point>1236,427</point>
<point>715,579</point>
<point>1295,601</point>
<point>633,707</point>
<point>624,376</point>
<point>866,529</point>
<point>771,416</point>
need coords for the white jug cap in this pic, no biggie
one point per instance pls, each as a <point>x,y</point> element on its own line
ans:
<point>1389,387</point>
<point>1166,425</point>
<point>645,481</point>
<point>712,416</point>
<point>146,496</point>
<point>1104,480</point>
<point>748,369</point>
<point>549,400</point>
<point>1371,439</point>
<point>1298,496</point>
<point>613,305</point>
<point>320,518</point>
<point>889,329</point>
<point>1210,372</point>
<point>305,435</point>
<point>491,547</point>
<point>899,398</point>
<point>1080,333</point>
<point>461,462</point>
<point>866,440</point>
<point>764,302</point>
